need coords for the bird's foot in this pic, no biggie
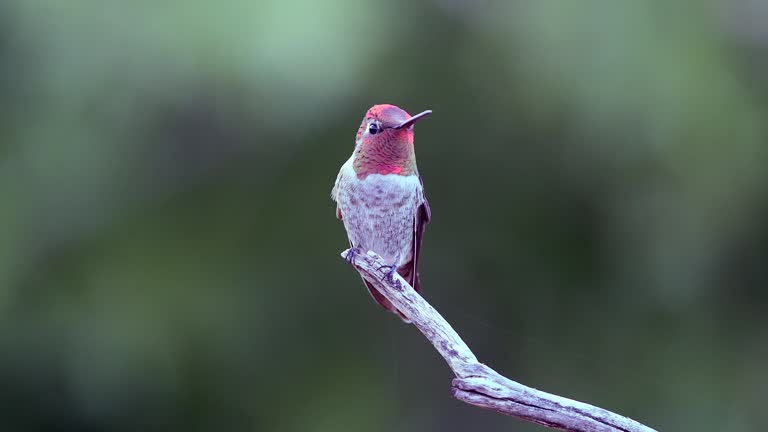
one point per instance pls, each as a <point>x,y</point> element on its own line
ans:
<point>352,253</point>
<point>390,274</point>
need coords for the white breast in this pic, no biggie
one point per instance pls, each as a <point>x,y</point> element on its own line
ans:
<point>378,211</point>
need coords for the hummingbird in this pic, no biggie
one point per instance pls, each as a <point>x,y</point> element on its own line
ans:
<point>380,197</point>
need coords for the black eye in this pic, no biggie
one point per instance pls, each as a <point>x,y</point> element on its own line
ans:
<point>373,129</point>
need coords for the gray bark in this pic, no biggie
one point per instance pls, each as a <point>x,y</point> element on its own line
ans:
<point>478,384</point>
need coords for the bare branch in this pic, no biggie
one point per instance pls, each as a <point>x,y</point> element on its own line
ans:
<point>476,383</point>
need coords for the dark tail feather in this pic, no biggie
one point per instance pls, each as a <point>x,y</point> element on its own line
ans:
<point>409,273</point>
<point>380,299</point>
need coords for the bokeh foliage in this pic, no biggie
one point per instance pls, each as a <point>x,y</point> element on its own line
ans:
<point>169,252</point>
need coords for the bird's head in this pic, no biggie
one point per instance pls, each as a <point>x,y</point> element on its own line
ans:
<point>385,123</point>
<point>384,142</point>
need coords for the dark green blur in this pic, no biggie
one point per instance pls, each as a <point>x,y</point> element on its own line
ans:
<point>169,253</point>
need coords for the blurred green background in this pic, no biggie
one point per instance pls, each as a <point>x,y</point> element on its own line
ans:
<point>169,254</point>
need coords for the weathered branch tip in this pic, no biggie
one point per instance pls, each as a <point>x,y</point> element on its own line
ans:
<point>476,383</point>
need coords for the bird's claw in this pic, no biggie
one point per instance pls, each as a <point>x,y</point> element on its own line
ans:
<point>390,274</point>
<point>351,254</point>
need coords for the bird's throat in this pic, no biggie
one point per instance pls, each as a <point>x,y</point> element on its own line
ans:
<point>385,157</point>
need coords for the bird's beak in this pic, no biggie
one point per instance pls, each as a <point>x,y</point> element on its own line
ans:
<point>412,120</point>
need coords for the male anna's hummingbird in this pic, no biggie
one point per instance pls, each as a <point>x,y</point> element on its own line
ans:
<point>380,196</point>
